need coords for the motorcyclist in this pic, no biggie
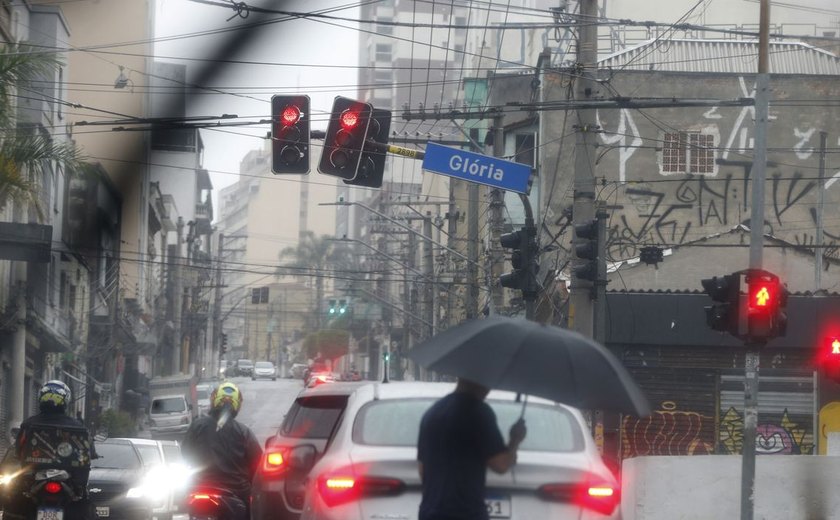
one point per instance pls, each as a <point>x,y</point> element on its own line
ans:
<point>53,398</point>
<point>224,452</point>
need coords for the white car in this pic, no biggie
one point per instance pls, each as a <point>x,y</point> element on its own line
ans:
<point>370,469</point>
<point>264,369</point>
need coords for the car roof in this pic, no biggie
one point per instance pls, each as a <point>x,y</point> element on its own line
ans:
<point>147,442</point>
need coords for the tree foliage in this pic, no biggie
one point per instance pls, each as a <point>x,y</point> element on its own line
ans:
<point>327,344</point>
<point>25,153</point>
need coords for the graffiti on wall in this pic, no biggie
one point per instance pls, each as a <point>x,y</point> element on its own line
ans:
<point>652,207</point>
<point>667,431</point>
<point>772,437</point>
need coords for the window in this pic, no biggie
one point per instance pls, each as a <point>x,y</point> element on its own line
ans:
<point>259,295</point>
<point>169,405</point>
<point>383,52</point>
<point>396,422</point>
<point>688,152</point>
<point>149,454</point>
<point>383,28</point>
<point>314,417</point>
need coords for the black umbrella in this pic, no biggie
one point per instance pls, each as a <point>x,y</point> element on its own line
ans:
<point>533,359</point>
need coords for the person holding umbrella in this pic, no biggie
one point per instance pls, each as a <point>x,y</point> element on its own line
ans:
<point>459,439</point>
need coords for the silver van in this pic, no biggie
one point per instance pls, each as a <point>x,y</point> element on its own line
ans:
<point>169,416</point>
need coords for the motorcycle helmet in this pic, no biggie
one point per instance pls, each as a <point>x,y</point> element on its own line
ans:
<point>54,397</point>
<point>226,394</point>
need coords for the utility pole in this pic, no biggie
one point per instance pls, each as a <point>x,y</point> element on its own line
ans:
<point>217,304</point>
<point>759,175</point>
<point>583,206</point>
<point>429,271</point>
<point>497,204</point>
<point>818,250</point>
<point>177,298</point>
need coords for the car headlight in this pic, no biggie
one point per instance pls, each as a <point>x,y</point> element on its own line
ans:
<point>7,479</point>
<point>136,492</point>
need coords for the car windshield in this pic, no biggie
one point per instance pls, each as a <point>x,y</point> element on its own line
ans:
<point>115,456</point>
<point>313,417</point>
<point>202,393</point>
<point>396,422</point>
<point>169,405</point>
<point>149,454</point>
<point>245,363</point>
<point>264,364</point>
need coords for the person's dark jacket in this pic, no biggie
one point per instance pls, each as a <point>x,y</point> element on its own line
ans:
<point>225,459</point>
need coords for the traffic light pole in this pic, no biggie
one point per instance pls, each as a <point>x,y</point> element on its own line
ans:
<point>759,174</point>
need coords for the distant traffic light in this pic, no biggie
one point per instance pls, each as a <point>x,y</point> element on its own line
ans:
<point>332,308</point>
<point>515,242</point>
<point>223,347</point>
<point>586,249</point>
<point>726,292</point>
<point>345,138</point>
<point>372,164</point>
<point>290,134</point>
<point>342,307</point>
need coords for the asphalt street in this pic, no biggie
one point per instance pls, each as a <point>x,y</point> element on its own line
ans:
<point>266,403</point>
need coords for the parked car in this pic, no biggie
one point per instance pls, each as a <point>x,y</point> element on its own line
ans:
<point>277,489</point>
<point>264,370</point>
<point>297,371</point>
<point>169,416</point>
<point>244,367</point>
<point>370,467</point>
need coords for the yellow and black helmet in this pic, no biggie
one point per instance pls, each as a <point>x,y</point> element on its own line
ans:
<point>226,393</point>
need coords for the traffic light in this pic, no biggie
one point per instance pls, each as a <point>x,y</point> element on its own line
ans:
<point>514,241</point>
<point>726,291</point>
<point>345,138</point>
<point>766,302</point>
<point>372,165</point>
<point>342,307</point>
<point>223,348</point>
<point>332,308</point>
<point>290,134</point>
<point>386,356</point>
<point>830,353</point>
<point>586,248</point>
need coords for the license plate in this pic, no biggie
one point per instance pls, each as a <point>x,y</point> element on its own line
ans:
<point>103,511</point>
<point>49,513</point>
<point>498,507</point>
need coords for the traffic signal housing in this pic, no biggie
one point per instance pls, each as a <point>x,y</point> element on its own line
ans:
<point>830,357</point>
<point>586,250</point>
<point>726,292</point>
<point>345,137</point>
<point>372,164</point>
<point>223,347</point>
<point>766,302</point>
<point>523,258</point>
<point>290,134</point>
<point>332,308</point>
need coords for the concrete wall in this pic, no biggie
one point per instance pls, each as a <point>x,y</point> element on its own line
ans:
<point>703,488</point>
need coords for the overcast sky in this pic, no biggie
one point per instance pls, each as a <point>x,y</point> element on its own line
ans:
<point>311,48</point>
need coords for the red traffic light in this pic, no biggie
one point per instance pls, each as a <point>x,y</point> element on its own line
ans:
<point>349,119</point>
<point>290,115</point>
<point>763,295</point>
<point>834,347</point>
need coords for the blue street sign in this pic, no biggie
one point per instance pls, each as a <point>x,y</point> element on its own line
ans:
<point>475,167</point>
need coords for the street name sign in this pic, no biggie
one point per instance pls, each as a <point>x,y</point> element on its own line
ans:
<point>475,167</point>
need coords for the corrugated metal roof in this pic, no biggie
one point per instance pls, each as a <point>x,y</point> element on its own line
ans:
<point>723,56</point>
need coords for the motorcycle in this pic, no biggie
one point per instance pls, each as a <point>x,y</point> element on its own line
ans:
<point>52,494</point>
<point>215,504</point>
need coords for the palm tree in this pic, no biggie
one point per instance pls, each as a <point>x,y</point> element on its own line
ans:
<point>313,257</point>
<point>24,152</point>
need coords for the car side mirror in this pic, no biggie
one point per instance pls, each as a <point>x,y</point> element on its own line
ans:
<point>302,458</point>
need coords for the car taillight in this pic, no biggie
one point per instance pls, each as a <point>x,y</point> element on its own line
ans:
<point>52,487</point>
<point>274,460</point>
<point>601,497</point>
<point>339,488</point>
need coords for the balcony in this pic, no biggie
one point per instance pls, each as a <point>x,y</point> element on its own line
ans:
<point>203,217</point>
<point>54,328</point>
